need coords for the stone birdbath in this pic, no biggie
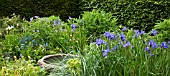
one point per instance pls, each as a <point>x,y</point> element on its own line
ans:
<point>58,61</point>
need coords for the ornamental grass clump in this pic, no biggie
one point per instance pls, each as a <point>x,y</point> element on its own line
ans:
<point>127,53</point>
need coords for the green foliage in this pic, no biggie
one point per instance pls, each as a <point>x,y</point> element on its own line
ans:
<point>163,29</point>
<point>134,14</point>
<point>20,67</point>
<point>97,22</point>
<point>74,66</point>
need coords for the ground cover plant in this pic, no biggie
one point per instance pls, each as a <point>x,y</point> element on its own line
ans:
<point>112,51</point>
<point>20,67</point>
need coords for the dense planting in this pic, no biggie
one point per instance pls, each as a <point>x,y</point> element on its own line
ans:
<point>102,47</point>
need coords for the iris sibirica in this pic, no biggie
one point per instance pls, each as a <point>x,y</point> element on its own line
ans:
<point>142,32</point>
<point>113,36</point>
<point>148,49</point>
<point>107,34</point>
<point>164,45</point>
<point>152,44</point>
<point>137,33</point>
<point>99,42</point>
<point>123,37</point>
<point>154,32</point>
<point>110,35</point>
<point>115,48</point>
<point>124,29</point>
<point>126,44</point>
<point>105,52</point>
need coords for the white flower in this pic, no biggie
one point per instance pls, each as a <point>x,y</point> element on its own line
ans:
<point>9,27</point>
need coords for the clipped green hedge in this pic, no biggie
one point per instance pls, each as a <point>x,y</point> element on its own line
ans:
<point>42,8</point>
<point>134,14</point>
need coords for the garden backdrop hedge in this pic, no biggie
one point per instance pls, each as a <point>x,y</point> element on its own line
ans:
<point>29,8</point>
<point>132,13</point>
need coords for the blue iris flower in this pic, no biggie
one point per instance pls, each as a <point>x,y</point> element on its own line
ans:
<point>115,48</point>
<point>148,49</point>
<point>152,44</point>
<point>123,37</point>
<point>124,29</point>
<point>164,45</point>
<point>113,36</point>
<point>136,31</point>
<point>99,42</point>
<point>105,52</point>
<point>142,32</point>
<point>154,32</point>
<point>107,34</point>
<point>126,44</point>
